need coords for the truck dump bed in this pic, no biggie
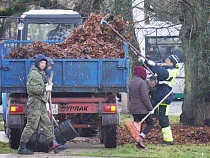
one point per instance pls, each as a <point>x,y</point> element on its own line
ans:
<point>70,75</point>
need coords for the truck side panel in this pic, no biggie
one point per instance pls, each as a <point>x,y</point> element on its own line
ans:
<point>71,75</point>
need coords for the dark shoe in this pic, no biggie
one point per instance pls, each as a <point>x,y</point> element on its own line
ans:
<point>61,148</point>
<point>141,142</point>
<point>23,150</point>
<point>167,143</point>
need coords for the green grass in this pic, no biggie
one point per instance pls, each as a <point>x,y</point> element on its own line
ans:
<point>129,150</point>
<point>1,123</point>
<point>125,118</point>
<point>1,127</point>
<point>5,149</point>
<point>1,118</point>
<point>174,119</point>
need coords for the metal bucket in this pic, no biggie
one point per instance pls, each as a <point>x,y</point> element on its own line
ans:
<point>59,138</point>
<point>65,132</point>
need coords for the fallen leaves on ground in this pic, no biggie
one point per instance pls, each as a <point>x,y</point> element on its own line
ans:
<point>182,134</point>
<point>90,40</point>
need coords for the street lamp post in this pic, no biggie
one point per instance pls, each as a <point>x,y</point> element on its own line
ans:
<point>20,27</point>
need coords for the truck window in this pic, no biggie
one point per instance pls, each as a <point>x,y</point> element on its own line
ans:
<point>159,48</point>
<point>49,31</point>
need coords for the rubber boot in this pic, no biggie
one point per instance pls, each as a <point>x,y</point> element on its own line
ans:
<point>23,150</point>
<point>140,142</point>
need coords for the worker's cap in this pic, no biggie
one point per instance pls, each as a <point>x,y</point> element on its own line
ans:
<point>174,59</point>
<point>49,61</point>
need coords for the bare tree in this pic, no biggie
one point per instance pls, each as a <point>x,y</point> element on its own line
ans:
<point>196,30</point>
<point>194,15</point>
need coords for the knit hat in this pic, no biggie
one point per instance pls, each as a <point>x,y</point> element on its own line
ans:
<point>174,59</point>
<point>140,71</point>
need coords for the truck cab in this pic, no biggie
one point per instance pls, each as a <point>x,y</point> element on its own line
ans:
<point>37,24</point>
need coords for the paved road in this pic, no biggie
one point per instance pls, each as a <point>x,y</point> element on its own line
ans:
<point>176,108</point>
<point>1,109</point>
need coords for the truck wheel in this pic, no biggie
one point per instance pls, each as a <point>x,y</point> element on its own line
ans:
<point>14,138</point>
<point>101,135</point>
<point>110,136</point>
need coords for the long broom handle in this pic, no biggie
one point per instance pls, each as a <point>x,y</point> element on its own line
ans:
<point>157,106</point>
<point>145,65</point>
<point>49,99</point>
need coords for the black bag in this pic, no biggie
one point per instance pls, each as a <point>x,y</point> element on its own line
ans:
<point>38,142</point>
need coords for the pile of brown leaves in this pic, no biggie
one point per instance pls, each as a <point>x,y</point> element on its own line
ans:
<point>182,135</point>
<point>90,40</point>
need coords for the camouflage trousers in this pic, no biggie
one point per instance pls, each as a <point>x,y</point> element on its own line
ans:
<point>37,115</point>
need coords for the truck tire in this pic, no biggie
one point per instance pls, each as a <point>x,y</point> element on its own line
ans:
<point>101,134</point>
<point>14,138</point>
<point>110,136</point>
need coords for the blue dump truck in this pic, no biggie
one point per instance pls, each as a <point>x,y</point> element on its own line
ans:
<point>84,91</point>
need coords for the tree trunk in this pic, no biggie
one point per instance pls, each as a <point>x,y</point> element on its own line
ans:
<point>195,39</point>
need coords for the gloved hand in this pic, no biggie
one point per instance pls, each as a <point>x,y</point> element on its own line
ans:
<point>150,62</point>
<point>152,111</point>
<point>49,86</point>
<point>141,59</point>
<point>47,106</point>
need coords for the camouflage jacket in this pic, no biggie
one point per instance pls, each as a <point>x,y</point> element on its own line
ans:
<point>35,84</point>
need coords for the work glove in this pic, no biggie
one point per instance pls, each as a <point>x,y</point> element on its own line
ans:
<point>150,62</point>
<point>141,60</point>
<point>49,86</point>
<point>47,106</point>
<point>152,111</point>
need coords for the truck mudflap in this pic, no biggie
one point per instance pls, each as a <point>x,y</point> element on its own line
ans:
<point>110,119</point>
<point>15,121</point>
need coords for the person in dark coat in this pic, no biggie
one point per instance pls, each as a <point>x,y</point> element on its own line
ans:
<point>140,104</point>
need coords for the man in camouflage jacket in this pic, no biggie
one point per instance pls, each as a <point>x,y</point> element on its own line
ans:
<point>37,88</point>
